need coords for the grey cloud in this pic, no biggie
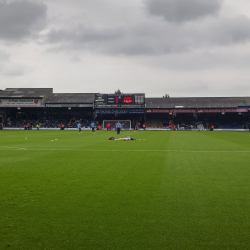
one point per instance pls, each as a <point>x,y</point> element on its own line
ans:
<point>9,67</point>
<point>85,34</point>
<point>192,89</point>
<point>229,31</point>
<point>3,56</point>
<point>145,38</point>
<point>12,70</point>
<point>101,39</point>
<point>75,59</point>
<point>220,32</point>
<point>21,19</point>
<point>167,38</point>
<point>153,37</point>
<point>203,60</point>
<point>183,10</point>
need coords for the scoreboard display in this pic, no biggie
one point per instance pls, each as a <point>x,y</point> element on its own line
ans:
<point>120,101</point>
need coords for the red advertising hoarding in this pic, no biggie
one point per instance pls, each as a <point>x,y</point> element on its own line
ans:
<point>233,110</point>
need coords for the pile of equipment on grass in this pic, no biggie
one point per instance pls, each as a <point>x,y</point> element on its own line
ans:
<point>122,139</point>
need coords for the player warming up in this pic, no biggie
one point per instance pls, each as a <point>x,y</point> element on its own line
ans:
<point>118,127</point>
<point>92,125</point>
<point>108,126</point>
<point>79,126</point>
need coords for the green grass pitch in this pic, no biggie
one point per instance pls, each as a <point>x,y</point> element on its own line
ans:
<point>169,190</point>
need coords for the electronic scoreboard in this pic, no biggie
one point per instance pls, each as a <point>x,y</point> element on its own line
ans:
<point>120,101</point>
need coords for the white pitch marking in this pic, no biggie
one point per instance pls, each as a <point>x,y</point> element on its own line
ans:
<point>13,148</point>
<point>117,150</point>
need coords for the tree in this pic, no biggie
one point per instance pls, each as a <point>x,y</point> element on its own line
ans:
<point>118,92</point>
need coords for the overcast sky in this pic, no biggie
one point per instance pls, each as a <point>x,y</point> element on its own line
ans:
<point>176,47</point>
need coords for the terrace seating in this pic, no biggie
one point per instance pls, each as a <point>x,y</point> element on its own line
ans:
<point>229,126</point>
<point>49,123</point>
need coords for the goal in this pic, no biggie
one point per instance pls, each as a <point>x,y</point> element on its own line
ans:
<point>126,124</point>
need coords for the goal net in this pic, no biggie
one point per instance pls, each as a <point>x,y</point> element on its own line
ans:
<point>126,124</point>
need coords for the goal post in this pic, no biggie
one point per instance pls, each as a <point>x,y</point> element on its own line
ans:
<point>126,124</point>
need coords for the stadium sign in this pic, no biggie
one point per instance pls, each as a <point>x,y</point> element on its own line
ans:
<point>69,105</point>
<point>119,111</point>
<point>21,103</point>
<point>235,110</point>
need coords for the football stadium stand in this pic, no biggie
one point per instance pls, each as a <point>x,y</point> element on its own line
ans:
<point>21,106</point>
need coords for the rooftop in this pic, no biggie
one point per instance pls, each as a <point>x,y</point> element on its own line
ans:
<point>198,102</point>
<point>71,98</point>
<point>25,92</point>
